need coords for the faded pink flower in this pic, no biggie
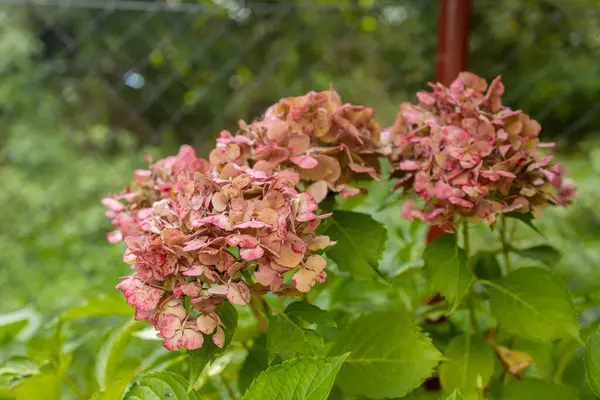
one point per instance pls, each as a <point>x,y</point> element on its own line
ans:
<point>465,154</point>
<point>197,240</point>
<point>327,143</point>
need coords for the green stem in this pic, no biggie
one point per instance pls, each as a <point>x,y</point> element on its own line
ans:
<point>505,244</point>
<point>470,295</point>
<point>255,306</point>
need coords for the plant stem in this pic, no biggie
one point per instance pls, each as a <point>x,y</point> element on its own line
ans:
<point>255,306</point>
<point>505,244</point>
<point>73,386</point>
<point>470,295</point>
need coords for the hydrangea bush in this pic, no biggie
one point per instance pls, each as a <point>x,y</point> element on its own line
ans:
<point>293,261</point>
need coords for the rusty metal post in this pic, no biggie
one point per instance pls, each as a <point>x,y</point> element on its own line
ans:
<point>452,42</point>
<point>452,52</point>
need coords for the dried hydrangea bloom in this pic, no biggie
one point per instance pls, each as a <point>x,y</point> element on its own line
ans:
<point>327,143</point>
<point>205,239</point>
<point>129,209</point>
<point>465,154</point>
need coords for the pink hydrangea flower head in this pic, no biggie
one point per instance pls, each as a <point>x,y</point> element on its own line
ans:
<point>466,154</point>
<point>326,142</point>
<point>213,239</point>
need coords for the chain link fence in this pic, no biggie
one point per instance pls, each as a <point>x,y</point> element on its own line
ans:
<point>181,71</point>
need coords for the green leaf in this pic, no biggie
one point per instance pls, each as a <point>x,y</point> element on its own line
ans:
<point>592,362</point>
<point>360,243</point>
<point>45,386</point>
<point>309,313</point>
<point>469,364</point>
<point>455,396</point>
<point>256,361</point>
<point>486,266</point>
<point>446,268</point>
<point>533,303</point>
<point>200,357</point>
<point>19,366</point>
<point>544,253</point>
<point>285,339</point>
<point>527,219</point>
<point>114,391</point>
<point>305,378</point>
<point>390,356</point>
<point>99,307</point>
<point>18,325</point>
<point>110,354</point>
<point>161,386</point>
<point>530,389</point>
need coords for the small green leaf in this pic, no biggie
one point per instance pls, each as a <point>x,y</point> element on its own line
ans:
<point>533,303</point>
<point>592,362</point>
<point>469,364</point>
<point>527,219</point>
<point>544,253</point>
<point>309,313</point>
<point>256,361</point>
<point>530,389</point>
<point>446,268</point>
<point>161,386</point>
<point>19,366</point>
<point>99,307</point>
<point>360,243</point>
<point>486,266</point>
<point>285,339</point>
<point>200,357</point>
<point>307,378</point>
<point>390,356</point>
<point>455,396</point>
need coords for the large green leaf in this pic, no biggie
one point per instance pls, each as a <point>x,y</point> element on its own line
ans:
<point>544,253</point>
<point>533,303</point>
<point>161,386</point>
<point>309,313</point>
<point>200,357</point>
<point>468,365</point>
<point>99,307</point>
<point>45,386</point>
<point>390,356</point>
<point>533,389</point>
<point>360,243</point>
<point>446,268</point>
<point>307,378</point>
<point>527,219</point>
<point>286,339</point>
<point>255,362</point>
<point>110,354</point>
<point>114,391</point>
<point>592,362</point>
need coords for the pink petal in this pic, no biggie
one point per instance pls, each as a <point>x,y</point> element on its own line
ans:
<point>460,202</point>
<point>113,204</point>
<point>207,323</point>
<point>318,190</point>
<point>252,224</point>
<point>252,254</point>
<point>114,237</point>
<point>191,339</point>
<point>306,162</point>
<point>195,244</point>
<point>219,338</point>
<point>168,325</point>
<point>245,241</point>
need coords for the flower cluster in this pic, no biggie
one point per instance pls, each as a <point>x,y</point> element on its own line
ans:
<point>464,153</point>
<point>204,235</point>
<point>329,144</point>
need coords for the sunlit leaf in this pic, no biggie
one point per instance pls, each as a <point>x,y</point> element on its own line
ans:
<point>296,379</point>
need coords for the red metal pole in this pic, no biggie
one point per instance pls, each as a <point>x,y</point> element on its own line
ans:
<point>452,51</point>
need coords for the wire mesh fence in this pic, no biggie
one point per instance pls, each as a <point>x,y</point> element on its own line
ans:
<point>182,71</point>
